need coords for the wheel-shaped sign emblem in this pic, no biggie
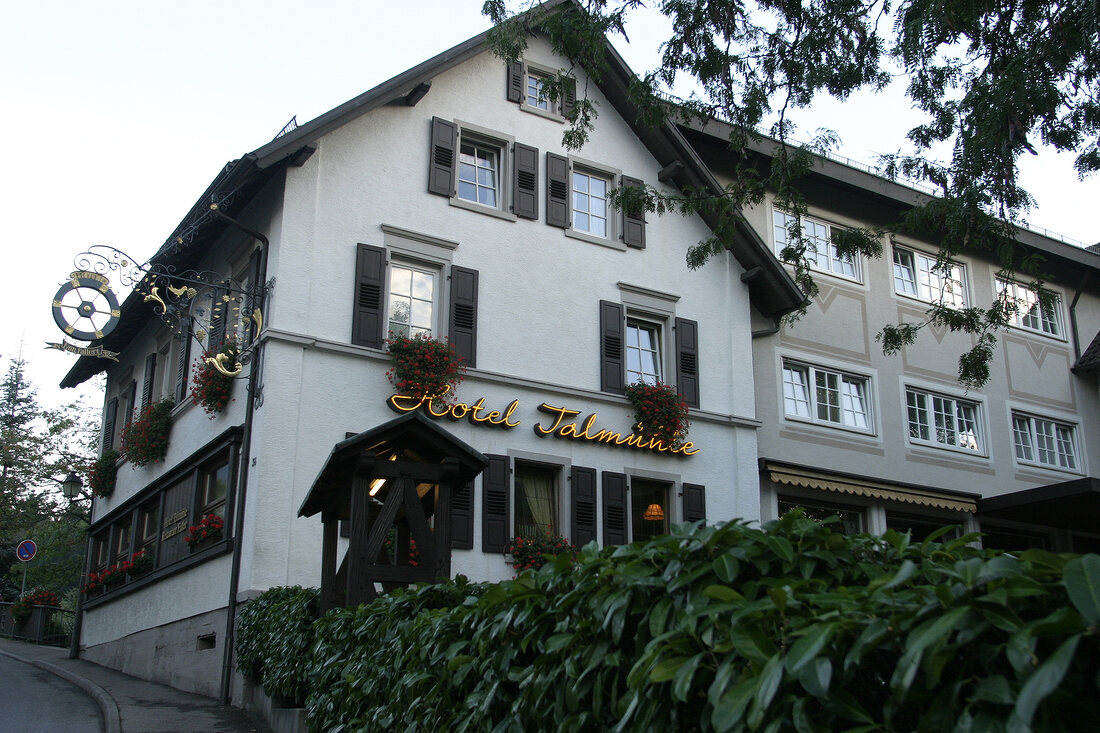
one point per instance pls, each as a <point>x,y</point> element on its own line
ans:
<point>85,307</point>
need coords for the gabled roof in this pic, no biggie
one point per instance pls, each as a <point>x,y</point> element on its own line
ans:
<point>771,288</point>
<point>841,181</point>
<point>1090,360</point>
<point>411,433</point>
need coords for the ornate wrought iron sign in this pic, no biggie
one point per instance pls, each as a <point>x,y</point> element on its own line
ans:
<point>198,304</point>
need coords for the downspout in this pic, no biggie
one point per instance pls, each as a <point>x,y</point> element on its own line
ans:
<point>1073,315</point>
<point>242,474</point>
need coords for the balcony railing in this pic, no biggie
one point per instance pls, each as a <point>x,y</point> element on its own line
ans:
<point>46,625</point>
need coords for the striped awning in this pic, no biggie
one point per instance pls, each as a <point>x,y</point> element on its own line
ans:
<point>810,479</point>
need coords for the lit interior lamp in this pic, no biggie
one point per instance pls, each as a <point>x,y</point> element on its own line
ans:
<point>378,483</point>
<point>654,513</point>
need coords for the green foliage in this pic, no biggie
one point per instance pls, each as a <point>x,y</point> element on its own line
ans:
<point>274,637</point>
<point>729,628</point>
<point>988,76</point>
<point>39,446</point>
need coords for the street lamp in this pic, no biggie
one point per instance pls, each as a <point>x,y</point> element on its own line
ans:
<point>71,486</point>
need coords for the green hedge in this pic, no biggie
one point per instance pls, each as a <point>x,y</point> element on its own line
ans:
<point>794,627</point>
<point>274,638</point>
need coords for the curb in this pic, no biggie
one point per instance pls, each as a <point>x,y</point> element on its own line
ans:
<point>107,705</point>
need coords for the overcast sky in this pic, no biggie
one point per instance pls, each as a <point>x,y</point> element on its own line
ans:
<point>117,115</point>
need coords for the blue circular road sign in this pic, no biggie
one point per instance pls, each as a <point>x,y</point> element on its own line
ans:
<point>26,551</point>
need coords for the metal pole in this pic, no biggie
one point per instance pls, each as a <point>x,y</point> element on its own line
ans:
<point>23,590</point>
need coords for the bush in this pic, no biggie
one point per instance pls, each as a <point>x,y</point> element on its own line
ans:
<point>21,609</point>
<point>790,627</point>
<point>145,440</point>
<point>534,551</point>
<point>274,637</point>
<point>104,473</point>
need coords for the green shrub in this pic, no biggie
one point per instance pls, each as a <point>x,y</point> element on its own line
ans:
<point>274,637</point>
<point>791,627</point>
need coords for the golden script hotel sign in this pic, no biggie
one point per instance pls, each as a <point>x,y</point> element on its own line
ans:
<point>562,423</point>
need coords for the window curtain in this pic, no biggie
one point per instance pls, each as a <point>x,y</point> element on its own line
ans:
<point>535,492</point>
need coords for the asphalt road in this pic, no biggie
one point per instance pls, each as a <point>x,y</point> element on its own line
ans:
<point>33,700</point>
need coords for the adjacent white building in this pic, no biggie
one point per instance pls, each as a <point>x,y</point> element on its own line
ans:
<point>896,441</point>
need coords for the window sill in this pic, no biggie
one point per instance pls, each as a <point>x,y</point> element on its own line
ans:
<point>804,422</point>
<point>482,209</point>
<point>922,301</point>
<point>593,239</point>
<point>1027,465</point>
<point>932,448</point>
<point>222,547</point>
<point>1014,328</point>
<point>846,279</point>
<point>544,113</point>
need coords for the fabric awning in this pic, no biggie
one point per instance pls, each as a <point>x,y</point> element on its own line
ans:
<point>824,481</point>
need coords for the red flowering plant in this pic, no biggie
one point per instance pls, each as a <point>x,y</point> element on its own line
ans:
<point>209,387</point>
<point>531,553</point>
<point>145,440</point>
<point>21,609</point>
<point>103,473</point>
<point>390,546</point>
<point>424,367</point>
<point>659,412</point>
<point>209,528</point>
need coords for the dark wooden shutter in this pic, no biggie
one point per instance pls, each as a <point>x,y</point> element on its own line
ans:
<point>515,81</point>
<point>557,190</point>
<point>614,508</point>
<point>463,316</point>
<point>370,287</point>
<point>109,424</point>
<point>182,366</point>
<point>583,483</point>
<point>525,182</point>
<point>129,416</point>
<point>695,502</point>
<point>494,518</point>
<point>569,98</point>
<point>612,369</point>
<point>462,517</point>
<point>633,220</point>
<point>442,165</point>
<point>687,360</point>
<point>147,385</point>
<point>219,317</point>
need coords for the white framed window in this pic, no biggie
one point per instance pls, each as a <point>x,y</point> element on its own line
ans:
<point>1045,442</point>
<point>533,93</point>
<point>589,202</point>
<point>479,173</point>
<point>821,253</point>
<point>943,421</point>
<point>918,275</point>
<point>413,300</point>
<point>826,396</point>
<point>643,352</point>
<point>1029,312</point>
<point>536,500</point>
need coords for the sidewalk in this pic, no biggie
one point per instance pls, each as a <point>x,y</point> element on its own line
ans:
<point>132,705</point>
